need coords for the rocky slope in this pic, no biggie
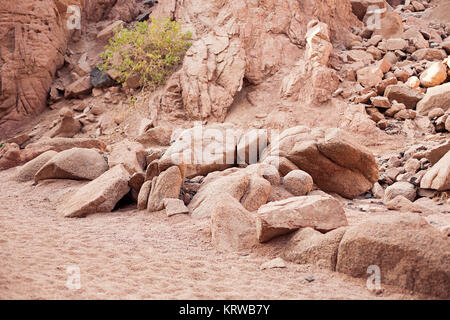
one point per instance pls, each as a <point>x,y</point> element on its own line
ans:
<point>313,132</point>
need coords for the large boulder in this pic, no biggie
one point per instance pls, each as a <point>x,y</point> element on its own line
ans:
<point>438,177</point>
<point>250,186</point>
<point>166,185</point>
<point>99,195</point>
<point>232,226</point>
<point>76,163</point>
<point>203,149</point>
<point>28,170</point>
<point>436,97</point>
<point>323,213</point>
<point>333,160</point>
<point>409,252</point>
<point>309,246</point>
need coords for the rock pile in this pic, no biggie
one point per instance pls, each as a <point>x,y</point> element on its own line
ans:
<point>401,74</point>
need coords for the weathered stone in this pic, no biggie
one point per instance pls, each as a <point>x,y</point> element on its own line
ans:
<point>380,102</point>
<point>99,195</point>
<point>403,94</point>
<point>257,193</point>
<point>130,154</point>
<point>144,192</point>
<point>434,75</point>
<point>274,263</point>
<point>232,226</point>
<point>203,149</point>
<point>175,206</point>
<point>79,88</point>
<point>298,182</point>
<point>309,246</point>
<point>369,76</point>
<point>436,97</point>
<point>400,203</point>
<point>108,32</point>
<point>436,113</point>
<point>158,136</point>
<point>405,189</point>
<point>335,163</point>
<point>100,79</point>
<point>319,212</point>
<point>413,82</point>
<point>409,252</point>
<point>318,45</point>
<point>438,177</point>
<point>396,44</point>
<point>430,54</point>
<point>28,170</point>
<point>166,185</point>
<point>76,163</point>
<point>34,40</point>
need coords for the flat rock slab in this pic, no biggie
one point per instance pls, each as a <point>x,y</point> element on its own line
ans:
<point>322,213</point>
<point>99,195</point>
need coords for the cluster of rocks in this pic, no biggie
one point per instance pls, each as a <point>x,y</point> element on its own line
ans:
<point>415,173</point>
<point>401,65</point>
<point>290,188</point>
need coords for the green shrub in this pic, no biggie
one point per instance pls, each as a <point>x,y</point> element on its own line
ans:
<point>149,52</point>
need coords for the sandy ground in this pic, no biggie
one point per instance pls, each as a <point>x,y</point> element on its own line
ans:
<point>129,254</point>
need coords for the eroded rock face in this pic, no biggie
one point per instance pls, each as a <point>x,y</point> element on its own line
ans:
<point>33,37</point>
<point>242,39</point>
<point>335,163</point>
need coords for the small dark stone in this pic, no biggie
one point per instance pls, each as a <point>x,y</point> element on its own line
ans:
<point>101,79</point>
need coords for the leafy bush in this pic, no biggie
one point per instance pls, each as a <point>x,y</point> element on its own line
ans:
<point>149,52</point>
